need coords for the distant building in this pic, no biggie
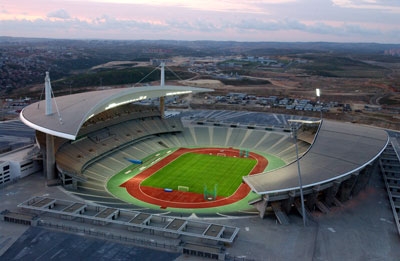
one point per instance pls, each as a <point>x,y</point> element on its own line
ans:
<point>370,107</point>
<point>18,164</point>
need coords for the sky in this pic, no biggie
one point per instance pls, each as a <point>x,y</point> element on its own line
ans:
<point>219,20</point>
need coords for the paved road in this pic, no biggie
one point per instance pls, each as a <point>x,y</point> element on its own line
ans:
<point>15,134</point>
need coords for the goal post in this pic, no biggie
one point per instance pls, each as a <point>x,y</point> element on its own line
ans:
<point>210,195</point>
<point>183,188</point>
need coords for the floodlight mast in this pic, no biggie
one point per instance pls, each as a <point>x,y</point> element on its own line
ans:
<point>318,93</point>
<point>293,124</point>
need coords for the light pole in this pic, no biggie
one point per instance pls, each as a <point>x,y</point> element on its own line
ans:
<point>318,93</point>
<point>294,133</point>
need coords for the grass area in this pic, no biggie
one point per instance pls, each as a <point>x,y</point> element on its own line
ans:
<point>113,186</point>
<point>341,66</point>
<point>199,170</point>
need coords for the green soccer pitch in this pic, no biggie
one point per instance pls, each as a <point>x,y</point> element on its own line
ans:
<point>198,171</point>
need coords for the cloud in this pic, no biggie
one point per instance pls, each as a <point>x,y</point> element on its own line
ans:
<point>272,20</point>
<point>60,14</point>
<point>228,6</point>
<point>318,28</point>
<point>112,28</point>
<point>390,6</point>
<point>246,30</point>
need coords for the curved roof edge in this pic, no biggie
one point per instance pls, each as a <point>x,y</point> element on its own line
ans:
<point>45,130</point>
<point>73,110</point>
<point>339,150</point>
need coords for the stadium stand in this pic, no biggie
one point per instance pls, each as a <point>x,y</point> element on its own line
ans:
<point>202,136</point>
<point>100,154</point>
<point>236,136</point>
<point>252,137</point>
<point>77,154</point>
<point>107,139</point>
<point>219,136</point>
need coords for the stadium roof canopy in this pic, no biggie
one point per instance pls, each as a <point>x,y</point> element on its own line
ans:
<point>339,149</point>
<point>72,111</point>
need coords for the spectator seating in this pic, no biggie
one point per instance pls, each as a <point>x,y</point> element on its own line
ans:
<point>100,154</point>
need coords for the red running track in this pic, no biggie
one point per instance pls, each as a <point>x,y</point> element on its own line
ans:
<point>180,199</point>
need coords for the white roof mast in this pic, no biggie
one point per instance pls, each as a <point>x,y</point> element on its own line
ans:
<point>47,84</point>
<point>162,82</point>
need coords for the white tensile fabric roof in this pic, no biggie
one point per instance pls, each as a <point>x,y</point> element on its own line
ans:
<point>71,111</point>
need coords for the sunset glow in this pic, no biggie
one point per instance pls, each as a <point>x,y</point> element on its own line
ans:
<point>254,20</point>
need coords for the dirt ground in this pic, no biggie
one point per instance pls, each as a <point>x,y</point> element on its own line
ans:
<point>358,92</point>
<point>355,92</point>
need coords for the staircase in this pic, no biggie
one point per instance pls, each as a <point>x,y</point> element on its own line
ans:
<point>389,163</point>
<point>280,215</point>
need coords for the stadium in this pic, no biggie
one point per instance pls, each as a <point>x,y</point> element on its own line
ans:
<point>111,148</point>
<point>101,143</point>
